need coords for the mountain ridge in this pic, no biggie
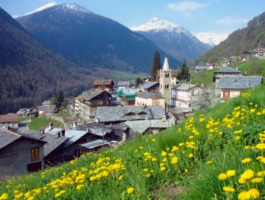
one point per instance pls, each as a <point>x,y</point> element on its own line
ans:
<point>177,41</point>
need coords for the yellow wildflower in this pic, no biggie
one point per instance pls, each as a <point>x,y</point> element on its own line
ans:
<point>228,189</point>
<point>254,193</point>
<point>231,173</point>
<point>244,195</point>
<point>222,176</point>
<point>246,160</point>
<point>130,190</point>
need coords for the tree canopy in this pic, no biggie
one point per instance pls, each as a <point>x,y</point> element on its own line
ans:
<point>184,72</point>
<point>156,65</point>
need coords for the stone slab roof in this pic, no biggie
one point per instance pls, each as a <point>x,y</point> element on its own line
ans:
<point>239,82</point>
<point>143,125</point>
<point>128,113</point>
<point>90,94</point>
<point>148,85</point>
<point>103,82</point>
<point>184,86</point>
<point>94,144</point>
<point>147,95</point>
<point>123,83</point>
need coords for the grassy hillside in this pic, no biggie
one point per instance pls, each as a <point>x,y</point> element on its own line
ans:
<point>255,68</point>
<point>217,154</point>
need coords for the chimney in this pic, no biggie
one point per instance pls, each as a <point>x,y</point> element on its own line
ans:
<point>237,77</point>
<point>202,85</point>
<point>59,134</point>
<point>122,113</point>
<point>236,67</point>
<point>74,124</point>
<point>111,125</point>
<point>164,119</point>
<point>63,133</point>
<point>87,130</point>
<point>43,131</point>
<point>50,126</point>
<point>248,83</point>
<point>246,72</point>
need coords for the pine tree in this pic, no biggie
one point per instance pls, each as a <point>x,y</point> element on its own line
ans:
<point>54,100</point>
<point>60,98</point>
<point>137,82</point>
<point>156,65</point>
<point>184,72</point>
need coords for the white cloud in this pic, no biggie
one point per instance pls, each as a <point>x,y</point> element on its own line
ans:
<point>186,6</point>
<point>232,20</point>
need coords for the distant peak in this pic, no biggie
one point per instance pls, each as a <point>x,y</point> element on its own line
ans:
<point>75,7</point>
<point>156,24</point>
<point>42,8</point>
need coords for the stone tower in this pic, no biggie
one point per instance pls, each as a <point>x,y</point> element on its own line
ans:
<point>165,82</point>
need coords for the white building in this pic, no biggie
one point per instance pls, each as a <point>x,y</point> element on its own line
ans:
<point>181,94</point>
<point>233,86</point>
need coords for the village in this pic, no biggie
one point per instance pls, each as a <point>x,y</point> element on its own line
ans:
<point>109,114</point>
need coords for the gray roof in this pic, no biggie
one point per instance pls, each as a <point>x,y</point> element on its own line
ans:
<point>95,128</point>
<point>123,83</point>
<point>238,82</point>
<point>48,103</point>
<point>201,67</point>
<point>227,70</point>
<point>90,94</point>
<point>95,143</point>
<point>148,95</point>
<point>148,85</point>
<point>7,137</point>
<point>128,113</point>
<point>47,109</point>
<point>184,86</point>
<point>143,125</point>
<point>73,135</point>
<point>52,140</point>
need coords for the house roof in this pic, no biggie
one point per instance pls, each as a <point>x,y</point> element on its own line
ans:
<point>90,94</point>
<point>148,85</point>
<point>48,102</point>
<point>239,82</point>
<point>201,67</point>
<point>8,137</point>
<point>95,143</point>
<point>227,70</point>
<point>103,82</point>
<point>184,86</point>
<point>123,83</point>
<point>95,128</point>
<point>147,95</point>
<point>73,135</point>
<point>52,140</point>
<point>143,125</point>
<point>9,118</point>
<point>128,113</point>
<point>47,109</point>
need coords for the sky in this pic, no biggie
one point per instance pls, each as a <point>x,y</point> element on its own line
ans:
<point>218,16</point>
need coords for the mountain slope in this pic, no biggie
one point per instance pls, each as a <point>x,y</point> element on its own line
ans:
<point>172,38</point>
<point>29,72</point>
<point>240,40</point>
<point>91,40</point>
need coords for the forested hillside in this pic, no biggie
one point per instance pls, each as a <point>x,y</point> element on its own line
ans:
<point>240,40</point>
<point>30,72</point>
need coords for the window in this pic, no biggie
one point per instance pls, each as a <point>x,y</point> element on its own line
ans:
<point>226,94</point>
<point>167,75</point>
<point>166,86</point>
<point>34,154</point>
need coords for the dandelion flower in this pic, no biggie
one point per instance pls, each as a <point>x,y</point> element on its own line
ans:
<point>79,187</point>
<point>254,193</point>
<point>244,195</point>
<point>190,155</point>
<point>256,180</point>
<point>130,190</point>
<point>148,175</point>
<point>154,159</point>
<point>228,189</point>
<point>162,169</point>
<point>246,160</point>
<point>210,162</point>
<point>231,173</point>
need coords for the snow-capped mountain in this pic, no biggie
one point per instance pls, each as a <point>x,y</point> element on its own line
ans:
<point>91,40</point>
<point>49,5</point>
<point>211,38</point>
<point>174,39</point>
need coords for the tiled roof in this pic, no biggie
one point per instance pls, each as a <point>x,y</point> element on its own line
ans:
<point>142,125</point>
<point>7,137</point>
<point>103,82</point>
<point>9,118</point>
<point>227,70</point>
<point>239,82</point>
<point>95,128</point>
<point>90,94</point>
<point>128,113</point>
<point>147,95</point>
<point>95,143</point>
<point>148,85</point>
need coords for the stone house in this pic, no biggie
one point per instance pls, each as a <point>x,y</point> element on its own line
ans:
<point>9,121</point>
<point>87,103</point>
<point>233,86</point>
<point>149,87</point>
<point>150,99</point>
<point>225,71</point>
<point>20,153</point>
